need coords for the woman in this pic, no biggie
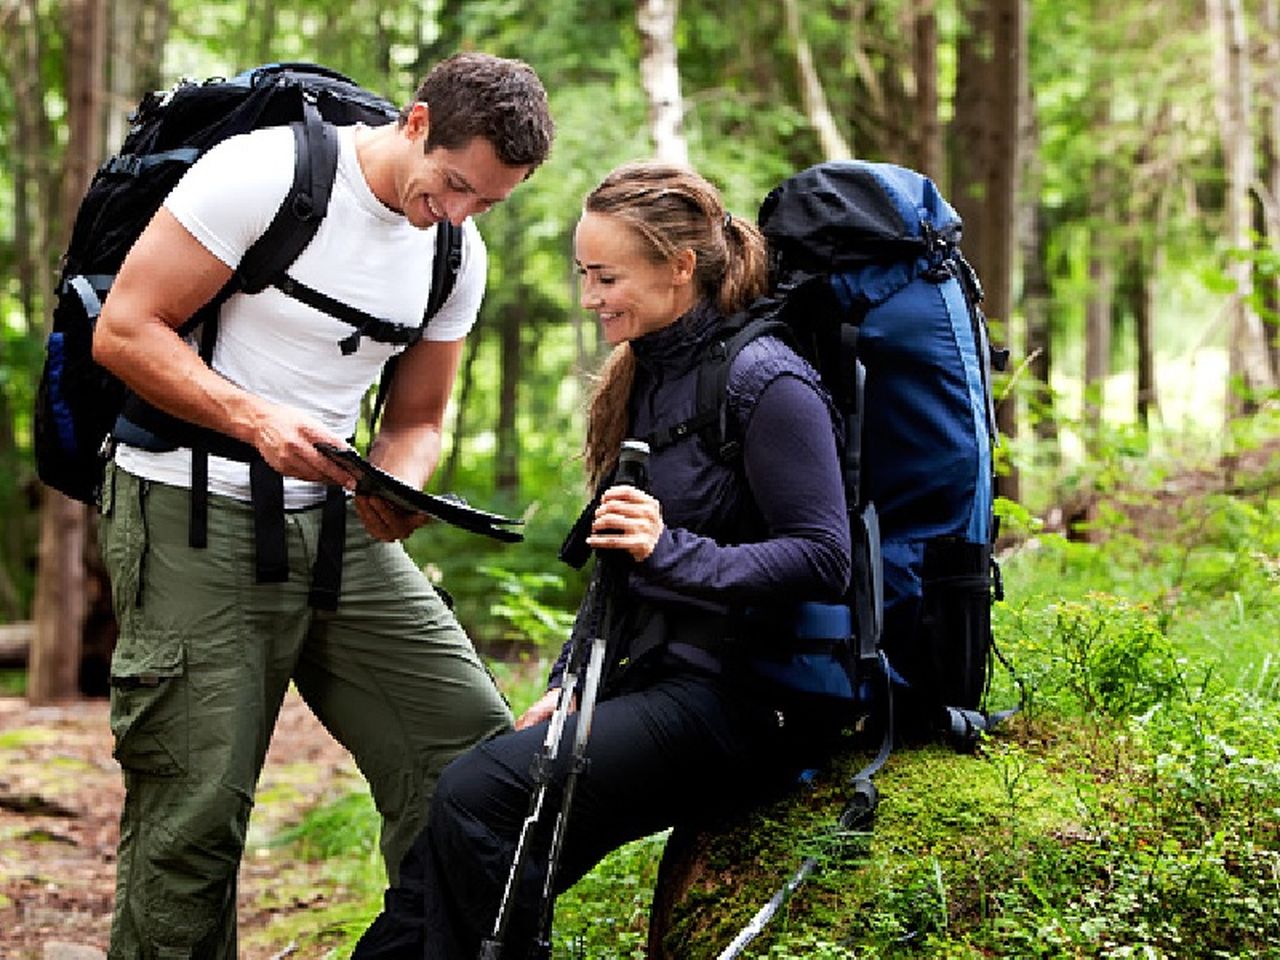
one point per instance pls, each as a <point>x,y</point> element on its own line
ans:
<point>679,733</point>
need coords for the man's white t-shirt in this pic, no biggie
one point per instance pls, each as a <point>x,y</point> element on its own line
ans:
<point>364,255</point>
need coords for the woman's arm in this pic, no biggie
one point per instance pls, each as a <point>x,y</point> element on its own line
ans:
<point>792,467</point>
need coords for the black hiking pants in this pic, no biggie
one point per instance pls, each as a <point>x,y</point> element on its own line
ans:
<point>682,747</point>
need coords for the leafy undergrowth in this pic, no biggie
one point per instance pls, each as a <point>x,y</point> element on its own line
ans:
<point>1131,809</point>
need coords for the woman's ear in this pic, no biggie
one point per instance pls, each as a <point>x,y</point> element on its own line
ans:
<point>682,267</point>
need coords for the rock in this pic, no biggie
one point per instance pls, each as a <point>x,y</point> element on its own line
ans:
<point>57,950</point>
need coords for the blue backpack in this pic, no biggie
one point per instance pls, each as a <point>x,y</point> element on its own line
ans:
<point>869,285</point>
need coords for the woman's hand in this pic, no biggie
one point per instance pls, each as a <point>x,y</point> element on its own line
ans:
<point>541,710</point>
<point>627,519</point>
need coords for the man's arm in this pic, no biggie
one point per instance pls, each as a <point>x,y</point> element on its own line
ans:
<point>410,436</point>
<point>166,277</point>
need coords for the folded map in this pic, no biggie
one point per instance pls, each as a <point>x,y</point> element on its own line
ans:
<point>448,507</point>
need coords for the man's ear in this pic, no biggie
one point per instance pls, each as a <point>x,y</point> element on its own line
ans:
<point>682,266</point>
<point>418,122</point>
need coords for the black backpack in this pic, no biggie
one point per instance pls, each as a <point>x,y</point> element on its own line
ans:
<point>869,285</point>
<point>79,405</point>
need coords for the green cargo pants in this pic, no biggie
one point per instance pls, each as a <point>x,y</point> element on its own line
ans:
<point>202,665</point>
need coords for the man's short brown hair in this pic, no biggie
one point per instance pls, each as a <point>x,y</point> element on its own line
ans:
<point>479,95</point>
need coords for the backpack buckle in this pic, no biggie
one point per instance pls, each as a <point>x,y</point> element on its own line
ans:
<point>304,207</point>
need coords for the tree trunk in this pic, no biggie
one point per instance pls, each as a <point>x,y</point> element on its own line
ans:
<point>1271,171</point>
<point>1146,276</point>
<point>1037,300</point>
<point>32,188</point>
<point>812,96</point>
<point>660,75</point>
<point>462,403</point>
<point>1249,357</point>
<point>60,586</point>
<point>1097,324</point>
<point>928,153</point>
<point>511,321</point>
<point>33,182</point>
<point>139,30</point>
<point>990,81</point>
<point>122,92</point>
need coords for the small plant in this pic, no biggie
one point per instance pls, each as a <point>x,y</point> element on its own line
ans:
<point>520,606</point>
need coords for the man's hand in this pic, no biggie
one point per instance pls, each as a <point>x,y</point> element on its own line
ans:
<point>287,441</point>
<point>385,521</point>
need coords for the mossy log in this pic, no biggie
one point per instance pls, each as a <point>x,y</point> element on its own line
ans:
<point>713,881</point>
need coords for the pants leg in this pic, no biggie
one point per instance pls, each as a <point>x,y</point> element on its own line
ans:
<point>396,680</point>
<point>198,675</point>
<point>682,748</point>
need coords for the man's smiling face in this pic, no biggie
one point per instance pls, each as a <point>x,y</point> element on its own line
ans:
<point>449,184</point>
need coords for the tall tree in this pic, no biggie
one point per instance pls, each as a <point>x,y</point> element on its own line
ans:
<point>1249,364</point>
<point>812,94</point>
<point>1103,252</point>
<point>985,162</point>
<point>33,183</point>
<point>660,74</point>
<point>1269,192</point>
<point>928,130</point>
<point>60,588</point>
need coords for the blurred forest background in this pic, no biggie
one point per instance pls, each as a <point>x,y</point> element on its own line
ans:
<point>1117,167</point>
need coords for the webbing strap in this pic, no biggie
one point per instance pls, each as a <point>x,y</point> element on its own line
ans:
<point>665,437</point>
<point>271,551</point>
<point>326,573</point>
<point>198,520</point>
<point>298,218</point>
<point>89,299</point>
<point>366,324</point>
<point>133,164</point>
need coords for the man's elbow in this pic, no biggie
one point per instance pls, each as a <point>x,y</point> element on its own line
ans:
<point>108,348</point>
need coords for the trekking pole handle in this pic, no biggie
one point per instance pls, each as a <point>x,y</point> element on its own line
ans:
<point>633,464</point>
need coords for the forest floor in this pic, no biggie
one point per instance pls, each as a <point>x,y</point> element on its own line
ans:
<point>60,796</point>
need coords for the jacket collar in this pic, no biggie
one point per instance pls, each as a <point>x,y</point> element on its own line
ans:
<point>678,346</point>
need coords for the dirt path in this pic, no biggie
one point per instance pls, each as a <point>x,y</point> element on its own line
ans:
<point>60,794</point>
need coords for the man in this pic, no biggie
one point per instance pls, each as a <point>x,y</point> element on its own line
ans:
<point>207,650</point>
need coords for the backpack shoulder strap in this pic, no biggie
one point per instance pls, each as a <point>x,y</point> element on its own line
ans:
<point>444,268</point>
<point>710,418</point>
<point>293,226</point>
<point>296,222</point>
<point>444,274</point>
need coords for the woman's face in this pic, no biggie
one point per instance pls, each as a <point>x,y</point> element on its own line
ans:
<point>618,282</point>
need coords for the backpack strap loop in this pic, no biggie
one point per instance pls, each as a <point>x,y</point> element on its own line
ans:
<point>271,551</point>
<point>326,573</point>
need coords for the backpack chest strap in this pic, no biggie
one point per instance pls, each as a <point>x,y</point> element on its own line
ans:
<point>366,325</point>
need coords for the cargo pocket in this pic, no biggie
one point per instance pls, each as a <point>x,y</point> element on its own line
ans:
<point>148,666</point>
<point>955,621</point>
<point>149,704</point>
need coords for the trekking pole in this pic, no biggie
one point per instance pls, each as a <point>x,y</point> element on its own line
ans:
<point>491,949</point>
<point>633,470</point>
